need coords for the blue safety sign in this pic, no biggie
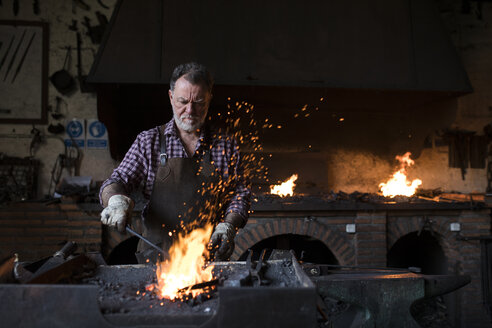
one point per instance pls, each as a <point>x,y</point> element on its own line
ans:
<point>97,134</point>
<point>74,129</point>
<point>97,129</point>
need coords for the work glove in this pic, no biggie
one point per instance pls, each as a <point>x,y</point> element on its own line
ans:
<point>222,241</point>
<point>118,211</point>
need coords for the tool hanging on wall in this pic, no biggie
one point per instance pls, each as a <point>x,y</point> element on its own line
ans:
<point>73,26</point>
<point>15,7</point>
<point>96,32</point>
<point>102,4</point>
<point>11,63</point>
<point>19,66</point>
<point>61,79</point>
<point>35,7</point>
<point>69,161</point>
<point>7,52</point>
<point>80,4</point>
<point>56,115</point>
<point>35,141</point>
<point>84,87</point>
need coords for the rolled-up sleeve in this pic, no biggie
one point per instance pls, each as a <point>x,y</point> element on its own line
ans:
<point>133,169</point>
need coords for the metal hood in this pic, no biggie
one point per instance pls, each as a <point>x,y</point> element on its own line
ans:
<point>359,44</point>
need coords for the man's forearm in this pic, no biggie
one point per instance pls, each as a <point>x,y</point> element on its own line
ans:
<point>237,220</point>
<point>111,190</point>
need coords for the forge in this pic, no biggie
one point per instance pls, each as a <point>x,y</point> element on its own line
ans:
<point>273,293</point>
<point>278,292</point>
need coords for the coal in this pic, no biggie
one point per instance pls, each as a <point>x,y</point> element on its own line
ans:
<point>123,290</point>
<point>362,201</point>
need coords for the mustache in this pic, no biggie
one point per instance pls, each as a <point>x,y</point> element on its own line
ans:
<point>188,117</point>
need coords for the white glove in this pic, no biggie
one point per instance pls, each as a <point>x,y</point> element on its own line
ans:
<point>222,240</point>
<point>119,210</point>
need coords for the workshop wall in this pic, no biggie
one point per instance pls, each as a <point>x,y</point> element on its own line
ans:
<point>361,169</point>
<point>471,32</point>
<point>35,230</point>
<point>335,168</point>
<point>15,139</point>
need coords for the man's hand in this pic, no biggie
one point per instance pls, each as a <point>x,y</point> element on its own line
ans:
<point>222,240</point>
<point>118,211</point>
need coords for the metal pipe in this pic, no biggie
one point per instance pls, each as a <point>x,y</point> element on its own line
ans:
<point>148,242</point>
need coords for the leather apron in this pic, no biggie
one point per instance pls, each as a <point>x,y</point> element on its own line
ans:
<point>179,196</point>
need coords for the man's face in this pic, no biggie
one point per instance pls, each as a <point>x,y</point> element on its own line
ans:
<point>190,104</point>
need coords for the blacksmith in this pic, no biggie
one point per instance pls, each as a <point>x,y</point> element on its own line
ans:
<point>187,170</point>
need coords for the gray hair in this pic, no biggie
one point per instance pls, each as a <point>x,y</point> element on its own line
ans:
<point>194,73</point>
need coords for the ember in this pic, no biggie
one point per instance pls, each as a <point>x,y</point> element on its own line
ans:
<point>285,188</point>
<point>398,183</point>
<point>186,265</point>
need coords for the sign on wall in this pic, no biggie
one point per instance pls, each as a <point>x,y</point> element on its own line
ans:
<point>97,135</point>
<point>75,133</point>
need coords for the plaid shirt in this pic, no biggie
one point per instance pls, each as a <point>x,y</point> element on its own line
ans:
<point>142,160</point>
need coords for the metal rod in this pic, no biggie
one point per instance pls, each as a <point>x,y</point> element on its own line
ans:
<point>200,285</point>
<point>11,63</point>
<point>23,57</point>
<point>7,52</point>
<point>148,242</point>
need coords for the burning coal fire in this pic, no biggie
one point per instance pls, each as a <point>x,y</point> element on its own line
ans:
<point>185,267</point>
<point>286,188</point>
<point>398,184</point>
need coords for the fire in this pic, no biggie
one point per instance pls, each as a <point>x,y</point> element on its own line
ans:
<point>398,183</point>
<point>285,188</point>
<point>186,265</point>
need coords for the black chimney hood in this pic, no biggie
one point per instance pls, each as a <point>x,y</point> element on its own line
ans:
<point>387,67</point>
<point>358,44</point>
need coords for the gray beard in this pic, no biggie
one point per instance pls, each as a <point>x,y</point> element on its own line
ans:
<point>188,127</point>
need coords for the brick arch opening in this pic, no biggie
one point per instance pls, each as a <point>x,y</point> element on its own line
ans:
<point>401,227</point>
<point>418,249</point>
<point>306,248</point>
<point>337,243</point>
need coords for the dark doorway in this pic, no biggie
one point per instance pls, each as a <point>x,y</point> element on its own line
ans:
<point>307,249</point>
<point>124,252</point>
<point>418,250</point>
<point>422,250</point>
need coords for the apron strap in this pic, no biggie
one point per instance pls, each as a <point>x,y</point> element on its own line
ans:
<point>162,142</point>
<point>206,156</point>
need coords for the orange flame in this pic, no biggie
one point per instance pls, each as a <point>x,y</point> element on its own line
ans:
<point>398,183</point>
<point>285,188</point>
<point>186,266</point>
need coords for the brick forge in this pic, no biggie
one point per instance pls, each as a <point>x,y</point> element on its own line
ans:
<point>35,230</point>
<point>377,231</point>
